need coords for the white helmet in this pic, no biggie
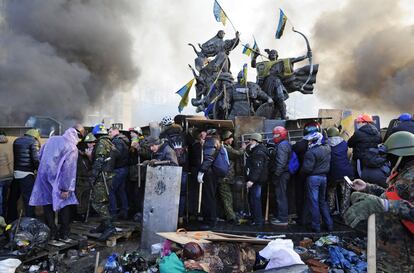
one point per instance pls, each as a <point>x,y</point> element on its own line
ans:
<point>167,121</point>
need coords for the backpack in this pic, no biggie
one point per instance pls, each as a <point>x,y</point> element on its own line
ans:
<point>177,143</point>
<point>293,163</point>
<point>221,164</point>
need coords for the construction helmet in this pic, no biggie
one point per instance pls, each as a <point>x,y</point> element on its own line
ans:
<point>256,136</point>
<point>34,133</point>
<point>226,135</point>
<point>400,144</point>
<point>89,138</point>
<point>137,130</point>
<point>167,121</point>
<point>211,131</point>
<point>311,127</point>
<point>332,131</point>
<point>405,117</point>
<point>364,118</point>
<point>279,133</point>
<point>99,129</point>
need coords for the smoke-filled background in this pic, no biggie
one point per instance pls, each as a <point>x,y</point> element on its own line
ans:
<point>123,60</point>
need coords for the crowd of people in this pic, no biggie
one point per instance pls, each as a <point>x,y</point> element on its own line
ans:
<point>105,170</point>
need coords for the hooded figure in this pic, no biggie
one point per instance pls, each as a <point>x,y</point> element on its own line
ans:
<point>54,187</point>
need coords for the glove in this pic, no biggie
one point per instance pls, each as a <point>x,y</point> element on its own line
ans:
<point>152,162</point>
<point>200,177</point>
<point>363,205</point>
<point>249,184</point>
<point>270,100</point>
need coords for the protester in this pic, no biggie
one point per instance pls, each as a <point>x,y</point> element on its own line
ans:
<point>225,184</point>
<point>54,188</point>
<point>256,174</point>
<point>102,173</point>
<point>340,167</point>
<point>121,166</point>
<point>406,124</point>
<point>397,200</point>
<point>365,137</point>
<point>281,175</point>
<point>26,162</point>
<point>162,153</point>
<point>300,148</point>
<point>316,167</point>
<point>209,177</point>
<point>175,137</point>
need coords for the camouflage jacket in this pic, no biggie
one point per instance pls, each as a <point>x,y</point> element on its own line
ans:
<point>234,156</point>
<point>404,185</point>
<point>102,156</point>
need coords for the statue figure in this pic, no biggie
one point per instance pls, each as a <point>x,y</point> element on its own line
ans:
<point>243,96</point>
<point>278,78</point>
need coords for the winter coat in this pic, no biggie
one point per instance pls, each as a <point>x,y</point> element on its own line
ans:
<point>257,162</point>
<point>340,164</point>
<point>26,154</point>
<point>317,161</point>
<point>407,126</point>
<point>103,157</point>
<point>234,156</point>
<point>166,153</point>
<point>364,138</point>
<point>122,144</point>
<point>57,172</point>
<point>300,149</point>
<point>211,149</point>
<point>283,152</point>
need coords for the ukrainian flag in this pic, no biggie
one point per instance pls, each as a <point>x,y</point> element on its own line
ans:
<point>281,25</point>
<point>219,13</point>
<point>247,50</point>
<point>184,92</point>
<point>244,80</point>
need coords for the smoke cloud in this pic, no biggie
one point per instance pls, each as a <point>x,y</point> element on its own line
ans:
<point>366,56</point>
<point>58,58</point>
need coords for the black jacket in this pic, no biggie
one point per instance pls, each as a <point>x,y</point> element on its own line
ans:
<point>26,154</point>
<point>283,152</point>
<point>300,148</point>
<point>166,153</point>
<point>211,148</point>
<point>317,161</point>
<point>407,126</point>
<point>364,138</point>
<point>257,164</point>
<point>121,144</point>
<point>176,138</point>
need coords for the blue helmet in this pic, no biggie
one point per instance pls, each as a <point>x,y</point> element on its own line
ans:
<point>99,129</point>
<point>405,117</point>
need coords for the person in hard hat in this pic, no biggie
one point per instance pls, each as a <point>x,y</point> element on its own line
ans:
<point>54,188</point>
<point>102,172</point>
<point>395,204</point>
<point>406,124</point>
<point>256,174</point>
<point>26,162</point>
<point>226,183</point>
<point>340,167</point>
<point>365,137</point>
<point>315,167</point>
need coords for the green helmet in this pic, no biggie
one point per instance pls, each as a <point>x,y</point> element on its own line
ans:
<point>34,133</point>
<point>256,136</point>
<point>89,138</point>
<point>400,144</point>
<point>226,135</point>
<point>332,132</point>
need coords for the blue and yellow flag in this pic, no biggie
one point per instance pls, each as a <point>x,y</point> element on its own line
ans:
<point>281,25</point>
<point>244,79</point>
<point>247,50</point>
<point>183,92</point>
<point>219,13</point>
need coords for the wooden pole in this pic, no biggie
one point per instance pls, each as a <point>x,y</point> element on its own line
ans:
<point>372,245</point>
<point>267,203</point>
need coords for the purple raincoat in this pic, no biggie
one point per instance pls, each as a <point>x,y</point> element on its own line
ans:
<point>57,171</point>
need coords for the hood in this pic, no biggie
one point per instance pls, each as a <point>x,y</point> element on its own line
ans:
<point>333,141</point>
<point>124,138</point>
<point>71,135</point>
<point>369,129</point>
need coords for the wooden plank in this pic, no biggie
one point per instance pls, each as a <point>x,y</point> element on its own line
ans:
<point>181,238</point>
<point>236,236</point>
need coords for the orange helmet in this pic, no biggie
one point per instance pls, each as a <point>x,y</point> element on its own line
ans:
<point>279,133</point>
<point>364,118</point>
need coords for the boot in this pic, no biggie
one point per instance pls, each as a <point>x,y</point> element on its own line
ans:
<point>108,232</point>
<point>98,229</point>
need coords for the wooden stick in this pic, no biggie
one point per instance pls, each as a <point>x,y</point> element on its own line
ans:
<point>267,203</point>
<point>372,245</point>
<point>96,263</point>
<point>200,193</point>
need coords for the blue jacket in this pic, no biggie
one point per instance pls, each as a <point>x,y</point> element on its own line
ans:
<point>340,164</point>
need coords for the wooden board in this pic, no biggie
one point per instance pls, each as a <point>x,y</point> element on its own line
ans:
<point>210,122</point>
